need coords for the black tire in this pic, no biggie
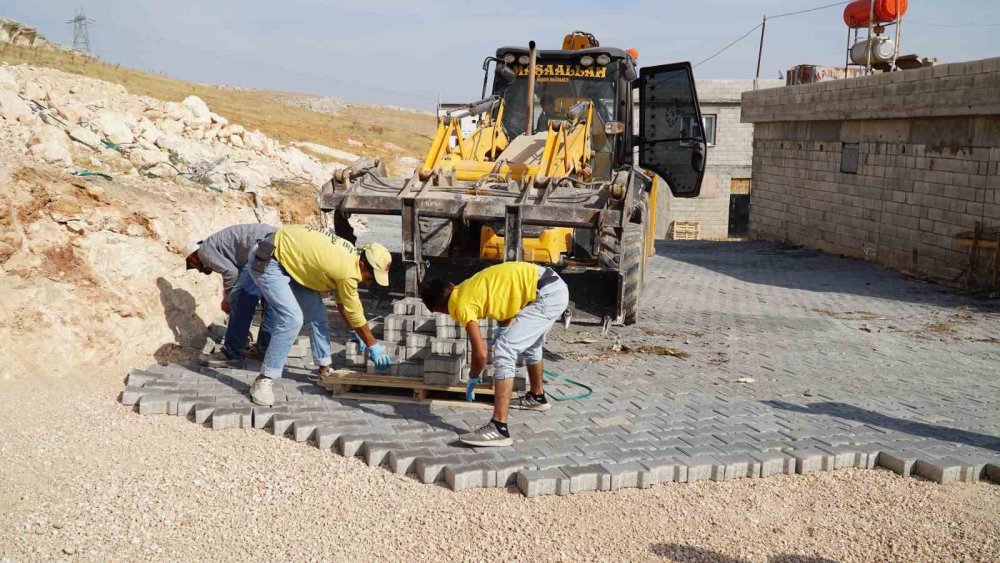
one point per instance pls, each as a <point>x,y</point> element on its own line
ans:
<point>633,270</point>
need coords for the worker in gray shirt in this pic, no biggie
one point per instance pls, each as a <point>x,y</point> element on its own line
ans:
<point>226,252</point>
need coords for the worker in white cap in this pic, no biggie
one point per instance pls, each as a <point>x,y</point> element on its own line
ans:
<point>292,268</point>
<point>226,253</point>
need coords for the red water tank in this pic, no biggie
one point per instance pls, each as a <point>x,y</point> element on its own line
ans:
<point>856,13</point>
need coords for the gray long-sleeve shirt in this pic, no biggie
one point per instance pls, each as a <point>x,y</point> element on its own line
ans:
<point>226,251</point>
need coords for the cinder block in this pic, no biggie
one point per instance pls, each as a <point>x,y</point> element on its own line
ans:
<point>203,412</point>
<point>737,466</point>
<point>410,368</point>
<point>226,418</point>
<point>538,482</point>
<point>262,415</point>
<point>185,404</point>
<point>700,468</point>
<point>281,423</point>
<point>587,478</point>
<point>437,378</point>
<point>808,460</point>
<point>327,435</point>
<point>505,472</point>
<point>304,429</point>
<point>349,445</point>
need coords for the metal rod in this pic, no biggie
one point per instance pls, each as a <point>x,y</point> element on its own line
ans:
<point>529,128</point>
<point>899,27</point>
<point>868,45</point>
<point>847,53</point>
<point>760,51</point>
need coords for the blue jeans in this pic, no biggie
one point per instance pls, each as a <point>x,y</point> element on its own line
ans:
<point>292,304</point>
<point>243,301</point>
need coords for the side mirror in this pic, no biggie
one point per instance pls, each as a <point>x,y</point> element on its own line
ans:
<point>504,73</point>
<point>614,128</point>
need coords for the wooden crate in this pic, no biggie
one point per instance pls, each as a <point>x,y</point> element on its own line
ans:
<point>685,230</point>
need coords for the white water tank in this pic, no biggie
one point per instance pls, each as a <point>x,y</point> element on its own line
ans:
<point>882,50</point>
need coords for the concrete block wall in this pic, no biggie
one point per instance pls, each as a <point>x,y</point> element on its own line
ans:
<point>928,146</point>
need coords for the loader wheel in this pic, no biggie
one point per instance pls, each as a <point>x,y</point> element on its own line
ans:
<point>633,270</point>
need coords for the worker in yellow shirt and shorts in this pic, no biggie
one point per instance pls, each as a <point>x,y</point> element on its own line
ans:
<point>293,268</point>
<point>526,300</point>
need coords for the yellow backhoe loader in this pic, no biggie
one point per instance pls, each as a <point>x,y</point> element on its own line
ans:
<point>561,170</point>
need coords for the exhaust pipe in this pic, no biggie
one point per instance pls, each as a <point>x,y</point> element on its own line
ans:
<point>529,127</point>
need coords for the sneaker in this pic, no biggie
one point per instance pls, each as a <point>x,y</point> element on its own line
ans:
<point>262,391</point>
<point>531,402</point>
<point>219,359</point>
<point>493,434</point>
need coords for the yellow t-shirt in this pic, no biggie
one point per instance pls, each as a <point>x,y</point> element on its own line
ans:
<point>498,292</point>
<point>322,262</point>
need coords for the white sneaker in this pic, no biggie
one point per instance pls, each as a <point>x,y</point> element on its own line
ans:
<point>262,392</point>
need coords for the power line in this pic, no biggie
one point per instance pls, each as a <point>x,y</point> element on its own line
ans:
<point>953,25</point>
<point>808,10</point>
<point>756,27</point>
<point>722,50</point>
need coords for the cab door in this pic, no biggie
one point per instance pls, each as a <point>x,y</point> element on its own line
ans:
<point>671,135</point>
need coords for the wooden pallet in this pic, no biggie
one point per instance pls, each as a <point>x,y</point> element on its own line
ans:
<point>346,384</point>
<point>685,230</point>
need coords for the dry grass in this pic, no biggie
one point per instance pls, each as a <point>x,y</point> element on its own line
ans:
<point>411,132</point>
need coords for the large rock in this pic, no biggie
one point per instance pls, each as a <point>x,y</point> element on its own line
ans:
<point>172,127</point>
<point>115,128</point>
<point>7,80</point>
<point>146,157</point>
<point>13,108</point>
<point>85,136</point>
<point>175,111</point>
<point>200,114</point>
<point>247,179</point>
<point>147,130</point>
<point>51,145</point>
<point>229,130</point>
<point>35,92</point>
<point>216,118</point>
<point>255,140</point>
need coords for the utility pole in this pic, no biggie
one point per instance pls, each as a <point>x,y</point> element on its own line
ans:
<point>81,37</point>
<point>760,51</point>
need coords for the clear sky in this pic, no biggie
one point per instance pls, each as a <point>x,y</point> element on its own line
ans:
<point>406,52</point>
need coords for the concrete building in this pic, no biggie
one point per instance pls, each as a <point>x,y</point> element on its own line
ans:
<point>894,168</point>
<point>721,209</point>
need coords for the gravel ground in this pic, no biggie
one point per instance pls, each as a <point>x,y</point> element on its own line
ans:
<point>82,477</point>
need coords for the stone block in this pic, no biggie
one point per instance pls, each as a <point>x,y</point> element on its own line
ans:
<point>663,470</point>
<point>262,415</point>
<point>203,412</point>
<point>376,453</point>
<point>437,378</point>
<point>449,346</point>
<point>898,461</point>
<point>623,475</point>
<point>774,463</point>
<point>587,478</point>
<point>131,395</point>
<point>430,469</point>
<point>737,466</point>
<point>153,403</point>
<point>538,482</point>
<point>460,477</point>
<point>942,471</point>
<point>505,472</point>
<point>281,423</point>
<point>402,462</point>
<point>410,368</point>
<point>808,460</point>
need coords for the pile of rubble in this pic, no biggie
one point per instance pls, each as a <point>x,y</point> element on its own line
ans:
<point>425,346</point>
<point>91,125</point>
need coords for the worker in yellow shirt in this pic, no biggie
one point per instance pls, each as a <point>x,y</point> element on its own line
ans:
<point>526,300</point>
<point>292,268</point>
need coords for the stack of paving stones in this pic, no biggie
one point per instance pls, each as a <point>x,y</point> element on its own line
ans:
<point>425,346</point>
<point>803,389</point>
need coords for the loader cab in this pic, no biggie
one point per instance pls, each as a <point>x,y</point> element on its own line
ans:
<point>668,135</point>
<point>563,79</point>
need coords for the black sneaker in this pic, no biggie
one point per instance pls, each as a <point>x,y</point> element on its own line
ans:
<point>493,434</point>
<point>531,402</point>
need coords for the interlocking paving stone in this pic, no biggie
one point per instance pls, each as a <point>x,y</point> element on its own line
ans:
<point>846,374</point>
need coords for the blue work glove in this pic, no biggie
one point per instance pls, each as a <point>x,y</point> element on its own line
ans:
<point>379,356</point>
<point>470,387</point>
<point>361,343</point>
